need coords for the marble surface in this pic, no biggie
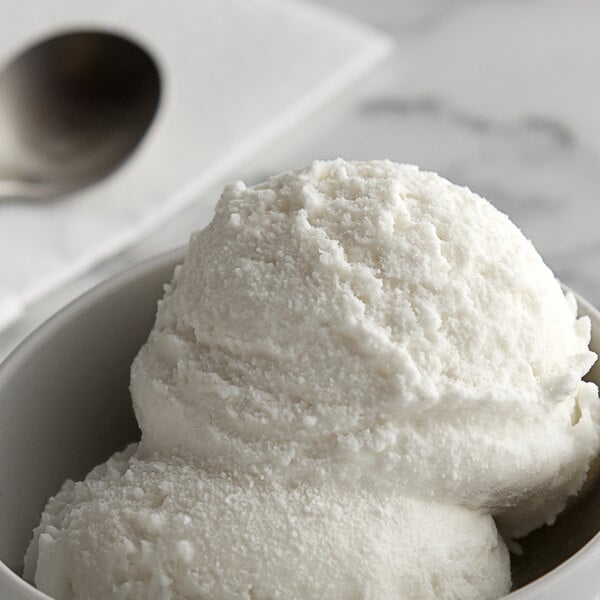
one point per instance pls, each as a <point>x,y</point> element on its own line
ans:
<point>499,95</point>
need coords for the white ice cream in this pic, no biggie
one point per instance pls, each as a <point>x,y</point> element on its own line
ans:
<point>357,335</point>
<point>149,529</point>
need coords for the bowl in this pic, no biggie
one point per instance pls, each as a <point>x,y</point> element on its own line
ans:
<point>65,407</point>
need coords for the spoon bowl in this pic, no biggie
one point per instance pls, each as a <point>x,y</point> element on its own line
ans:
<point>72,109</point>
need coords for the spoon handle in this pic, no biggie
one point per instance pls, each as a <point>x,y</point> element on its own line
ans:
<point>12,190</point>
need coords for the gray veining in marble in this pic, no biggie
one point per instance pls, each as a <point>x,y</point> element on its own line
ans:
<point>498,95</point>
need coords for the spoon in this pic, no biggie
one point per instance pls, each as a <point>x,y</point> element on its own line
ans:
<point>72,109</point>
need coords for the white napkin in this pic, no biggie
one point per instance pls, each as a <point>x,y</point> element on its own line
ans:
<point>235,74</point>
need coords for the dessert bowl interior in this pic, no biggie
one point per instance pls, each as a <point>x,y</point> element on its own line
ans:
<point>65,407</point>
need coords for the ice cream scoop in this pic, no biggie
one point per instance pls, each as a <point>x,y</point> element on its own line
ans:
<point>163,528</point>
<point>376,325</point>
<point>357,367</point>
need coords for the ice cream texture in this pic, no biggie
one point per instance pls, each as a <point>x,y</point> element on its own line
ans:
<point>177,531</point>
<point>357,373</point>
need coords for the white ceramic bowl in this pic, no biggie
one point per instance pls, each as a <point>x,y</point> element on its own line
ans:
<point>65,407</point>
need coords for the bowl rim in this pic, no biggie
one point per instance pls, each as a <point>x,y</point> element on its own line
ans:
<point>579,564</point>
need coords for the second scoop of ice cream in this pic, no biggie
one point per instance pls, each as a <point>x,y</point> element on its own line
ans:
<point>164,528</point>
<point>376,325</point>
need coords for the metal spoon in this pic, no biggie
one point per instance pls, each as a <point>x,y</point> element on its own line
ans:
<point>72,109</point>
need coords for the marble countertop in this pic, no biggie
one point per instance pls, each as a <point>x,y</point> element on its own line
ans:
<point>498,95</point>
